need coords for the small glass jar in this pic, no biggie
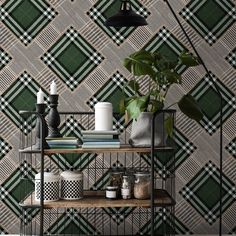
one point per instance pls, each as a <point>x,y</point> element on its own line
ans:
<point>116,180</point>
<point>142,185</point>
<point>112,192</point>
<point>126,187</point>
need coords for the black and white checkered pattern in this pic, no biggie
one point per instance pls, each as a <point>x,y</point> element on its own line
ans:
<point>4,58</point>
<point>71,189</point>
<point>51,190</point>
<point>231,58</point>
<point>4,148</point>
<point>231,147</point>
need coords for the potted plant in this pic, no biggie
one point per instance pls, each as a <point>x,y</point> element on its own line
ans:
<point>162,73</point>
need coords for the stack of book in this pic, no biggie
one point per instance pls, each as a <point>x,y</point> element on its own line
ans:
<point>63,143</point>
<point>100,139</point>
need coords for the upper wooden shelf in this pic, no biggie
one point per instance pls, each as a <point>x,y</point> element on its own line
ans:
<point>96,199</point>
<point>122,149</point>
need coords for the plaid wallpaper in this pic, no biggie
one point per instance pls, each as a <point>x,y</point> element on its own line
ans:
<point>66,41</point>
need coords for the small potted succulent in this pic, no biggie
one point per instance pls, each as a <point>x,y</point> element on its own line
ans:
<point>162,73</point>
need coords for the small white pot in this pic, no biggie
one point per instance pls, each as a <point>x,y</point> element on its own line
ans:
<point>51,187</point>
<point>71,185</point>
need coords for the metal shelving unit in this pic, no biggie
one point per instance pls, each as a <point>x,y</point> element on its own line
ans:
<point>94,214</point>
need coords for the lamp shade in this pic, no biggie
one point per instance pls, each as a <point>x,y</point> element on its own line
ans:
<point>126,17</point>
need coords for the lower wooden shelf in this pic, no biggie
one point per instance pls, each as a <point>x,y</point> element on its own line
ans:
<point>96,199</point>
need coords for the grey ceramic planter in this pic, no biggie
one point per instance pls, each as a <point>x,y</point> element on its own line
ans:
<point>141,130</point>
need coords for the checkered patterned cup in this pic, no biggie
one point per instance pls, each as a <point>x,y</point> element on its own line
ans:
<point>71,185</point>
<point>51,187</point>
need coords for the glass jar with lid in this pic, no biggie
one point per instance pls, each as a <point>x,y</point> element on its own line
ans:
<point>126,187</point>
<point>142,185</point>
<point>111,192</point>
<point>116,179</point>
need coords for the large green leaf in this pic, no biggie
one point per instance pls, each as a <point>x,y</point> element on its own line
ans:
<point>188,59</point>
<point>140,63</point>
<point>142,55</point>
<point>133,84</point>
<point>169,125</point>
<point>136,106</point>
<point>172,76</point>
<point>128,64</point>
<point>122,105</point>
<point>156,105</point>
<point>140,68</point>
<point>189,106</point>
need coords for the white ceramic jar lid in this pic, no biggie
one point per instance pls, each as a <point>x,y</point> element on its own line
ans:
<point>71,174</point>
<point>47,176</point>
<point>103,104</point>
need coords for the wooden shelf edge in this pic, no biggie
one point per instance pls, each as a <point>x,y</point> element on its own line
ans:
<point>124,148</point>
<point>96,199</point>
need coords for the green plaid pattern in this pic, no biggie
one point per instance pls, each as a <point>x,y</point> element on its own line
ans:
<point>15,189</point>
<point>72,222</point>
<point>206,202</point>
<point>4,58</point>
<point>72,128</point>
<point>112,91</point>
<point>231,58</point>
<point>165,223</point>
<point>72,58</point>
<point>4,148</point>
<point>2,230</point>
<point>103,9</point>
<point>168,161</point>
<point>231,147</point>
<point>118,214</point>
<point>167,44</point>
<point>26,18</point>
<point>210,18</point>
<point>206,95</point>
<point>21,95</point>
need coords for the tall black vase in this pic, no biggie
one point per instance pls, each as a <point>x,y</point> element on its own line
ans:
<point>53,118</point>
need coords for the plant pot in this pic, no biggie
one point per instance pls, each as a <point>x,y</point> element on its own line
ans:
<point>141,130</point>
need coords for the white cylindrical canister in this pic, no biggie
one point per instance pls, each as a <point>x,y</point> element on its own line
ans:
<point>51,187</point>
<point>103,116</point>
<point>71,185</point>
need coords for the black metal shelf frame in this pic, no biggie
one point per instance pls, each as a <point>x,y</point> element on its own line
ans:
<point>137,215</point>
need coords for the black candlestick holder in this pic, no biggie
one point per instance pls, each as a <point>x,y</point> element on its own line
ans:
<point>41,134</point>
<point>53,117</point>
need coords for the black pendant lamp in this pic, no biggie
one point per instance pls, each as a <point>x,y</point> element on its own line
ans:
<point>126,17</point>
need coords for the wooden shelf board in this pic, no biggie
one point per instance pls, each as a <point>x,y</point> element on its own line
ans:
<point>122,149</point>
<point>96,199</point>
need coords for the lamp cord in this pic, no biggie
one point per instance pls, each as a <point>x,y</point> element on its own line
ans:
<point>221,109</point>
